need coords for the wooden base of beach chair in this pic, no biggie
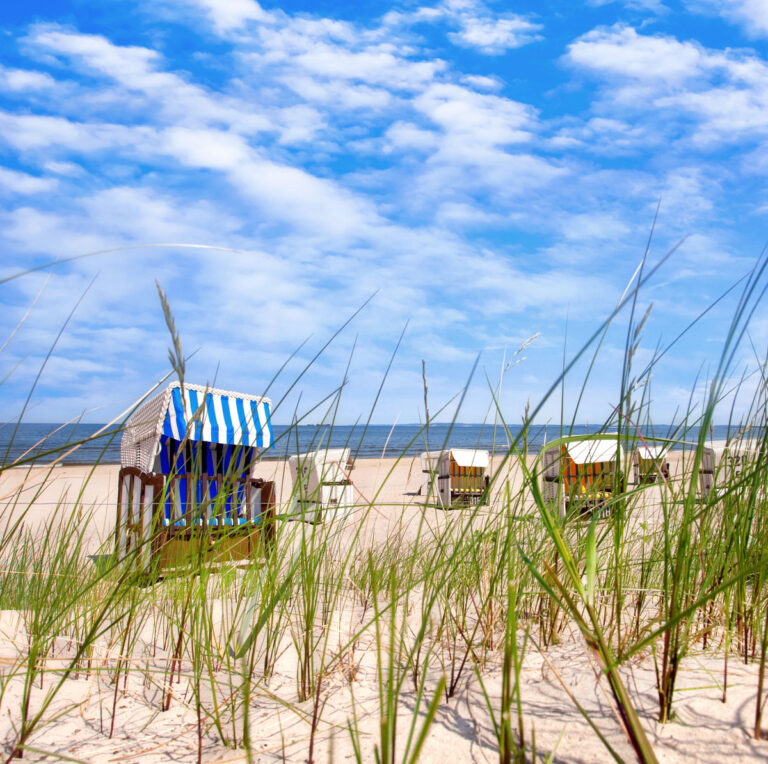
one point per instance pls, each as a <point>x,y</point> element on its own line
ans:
<point>188,548</point>
<point>183,551</point>
<point>589,504</point>
<point>157,548</point>
<point>466,499</point>
<point>461,500</point>
<point>314,512</point>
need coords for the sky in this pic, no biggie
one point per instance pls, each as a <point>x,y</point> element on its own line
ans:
<point>473,174</point>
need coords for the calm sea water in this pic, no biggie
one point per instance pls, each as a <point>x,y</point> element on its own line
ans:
<point>50,442</point>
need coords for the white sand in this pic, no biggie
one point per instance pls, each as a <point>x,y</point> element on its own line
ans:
<point>704,729</point>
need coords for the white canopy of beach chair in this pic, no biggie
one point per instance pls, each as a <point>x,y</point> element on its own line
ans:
<point>654,451</point>
<point>464,457</point>
<point>593,450</point>
<point>467,457</point>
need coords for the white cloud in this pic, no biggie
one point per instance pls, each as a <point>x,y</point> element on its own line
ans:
<point>319,54</point>
<point>493,35</point>
<point>473,137</point>
<point>286,193</point>
<point>688,195</point>
<point>476,118</point>
<point>380,67</point>
<point>32,131</point>
<point>726,113</point>
<point>124,63</point>
<point>751,15</point>
<point>299,124</point>
<point>463,214</point>
<point>481,82</point>
<point>35,230</point>
<point>476,26</point>
<point>726,91</point>
<point>63,168</point>
<point>22,183</point>
<point>233,14</point>
<point>593,226</point>
<point>24,79</point>
<point>406,135</point>
<point>604,135</point>
<point>655,6</point>
<point>144,215</point>
<point>622,52</point>
<point>136,69</point>
<point>333,92</point>
<point>706,252</point>
<point>504,288</point>
<point>209,149</point>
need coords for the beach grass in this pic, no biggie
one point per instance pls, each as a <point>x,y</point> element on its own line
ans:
<point>426,614</point>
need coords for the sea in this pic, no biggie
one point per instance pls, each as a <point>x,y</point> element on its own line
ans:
<point>76,444</point>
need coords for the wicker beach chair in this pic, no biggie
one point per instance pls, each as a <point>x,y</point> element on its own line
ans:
<point>580,472</point>
<point>455,476</point>
<point>185,478</point>
<point>648,463</point>
<point>322,484</point>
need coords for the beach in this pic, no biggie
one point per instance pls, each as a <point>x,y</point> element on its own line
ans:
<point>259,257</point>
<point>555,679</point>
<point>391,485</point>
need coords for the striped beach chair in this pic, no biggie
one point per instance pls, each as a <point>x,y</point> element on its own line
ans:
<point>186,461</point>
<point>580,472</point>
<point>455,476</point>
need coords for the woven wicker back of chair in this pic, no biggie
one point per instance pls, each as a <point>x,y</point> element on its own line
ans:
<point>550,475</point>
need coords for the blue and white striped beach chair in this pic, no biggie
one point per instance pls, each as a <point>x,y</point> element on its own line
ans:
<point>186,461</point>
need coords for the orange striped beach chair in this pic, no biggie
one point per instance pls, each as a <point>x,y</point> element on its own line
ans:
<point>580,472</point>
<point>455,476</point>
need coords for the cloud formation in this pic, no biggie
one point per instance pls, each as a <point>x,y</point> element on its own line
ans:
<point>483,176</point>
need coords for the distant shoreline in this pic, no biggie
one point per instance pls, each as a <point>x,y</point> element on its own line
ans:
<point>49,441</point>
<point>368,458</point>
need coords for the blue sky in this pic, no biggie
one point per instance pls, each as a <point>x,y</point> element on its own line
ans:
<point>492,171</point>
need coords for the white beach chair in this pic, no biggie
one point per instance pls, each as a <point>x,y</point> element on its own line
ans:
<point>723,461</point>
<point>648,463</point>
<point>322,484</point>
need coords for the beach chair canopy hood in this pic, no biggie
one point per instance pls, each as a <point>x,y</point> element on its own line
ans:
<point>590,451</point>
<point>198,415</point>
<point>464,457</point>
<point>467,457</point>
<point>651,452</point>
